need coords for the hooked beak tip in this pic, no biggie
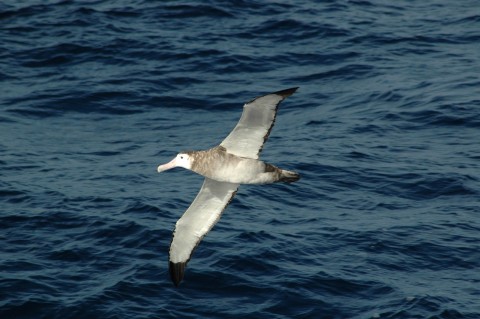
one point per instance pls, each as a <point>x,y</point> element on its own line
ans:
<point>167,166</point>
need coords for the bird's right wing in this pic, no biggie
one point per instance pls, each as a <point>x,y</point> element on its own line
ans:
<point>195,223</point>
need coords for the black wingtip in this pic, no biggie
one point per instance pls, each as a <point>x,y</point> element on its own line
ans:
<point>177,270</point>
<point>287,92</point>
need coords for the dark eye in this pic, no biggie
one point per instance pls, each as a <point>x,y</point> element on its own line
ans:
<point>181,157</point>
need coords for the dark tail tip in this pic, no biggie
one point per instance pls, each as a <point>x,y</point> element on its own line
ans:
<point>177,270</point>
<point>289,176</point>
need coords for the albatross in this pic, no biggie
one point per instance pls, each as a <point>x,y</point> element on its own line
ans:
<point>226,166</point>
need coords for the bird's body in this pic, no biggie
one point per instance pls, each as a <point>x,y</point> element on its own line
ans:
<point>226,166</point>
<point>217,164</point>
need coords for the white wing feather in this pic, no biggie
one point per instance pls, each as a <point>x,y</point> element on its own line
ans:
<point>195,223</point>
<point>253,128</point>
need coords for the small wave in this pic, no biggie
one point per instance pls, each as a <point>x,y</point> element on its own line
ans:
<point>48,105</point>
<point>193,11</point>
<point>275,29</point>
<point>350,72</point>
<point>443,116</point>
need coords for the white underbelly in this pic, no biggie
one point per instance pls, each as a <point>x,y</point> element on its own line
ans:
<point>242,171</point>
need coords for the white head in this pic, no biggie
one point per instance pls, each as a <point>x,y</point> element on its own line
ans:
<point>181,160</point>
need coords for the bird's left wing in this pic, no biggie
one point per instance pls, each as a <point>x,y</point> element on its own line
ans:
<point>255,124</point>
<point>195,223</point>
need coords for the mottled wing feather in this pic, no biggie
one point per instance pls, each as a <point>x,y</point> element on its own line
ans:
<point>195,223</point>
<point>253,128</point>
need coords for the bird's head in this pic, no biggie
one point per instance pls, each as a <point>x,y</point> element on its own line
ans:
<point>183,159</point>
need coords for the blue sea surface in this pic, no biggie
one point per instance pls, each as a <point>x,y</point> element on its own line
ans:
<point>384,129</point>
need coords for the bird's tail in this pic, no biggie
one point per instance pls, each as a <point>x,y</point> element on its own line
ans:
<point>288,176</point>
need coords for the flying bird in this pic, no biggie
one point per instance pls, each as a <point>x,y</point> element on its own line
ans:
<point>226,166</point>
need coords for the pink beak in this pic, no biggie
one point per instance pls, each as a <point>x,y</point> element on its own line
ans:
<point>169,165</point>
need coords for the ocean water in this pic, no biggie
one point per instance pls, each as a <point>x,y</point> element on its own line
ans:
<point>384,129</point>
